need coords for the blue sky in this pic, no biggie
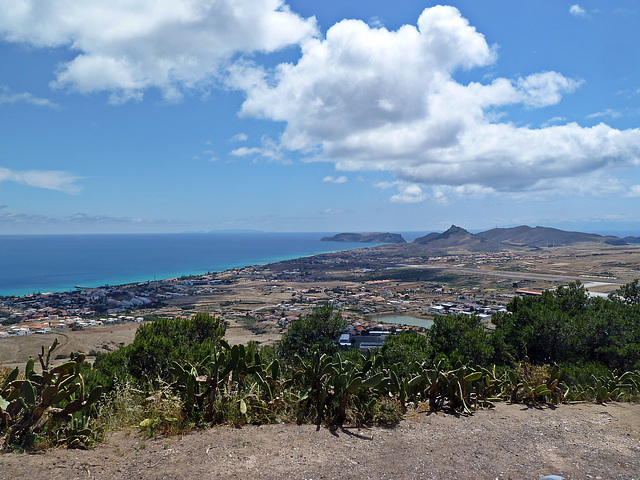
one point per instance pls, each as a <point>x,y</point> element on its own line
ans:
<point>188,115</point>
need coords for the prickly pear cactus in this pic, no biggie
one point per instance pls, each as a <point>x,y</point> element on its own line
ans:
<point>29,405</point>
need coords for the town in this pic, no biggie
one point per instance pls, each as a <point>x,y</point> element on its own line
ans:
<point>368,286</point>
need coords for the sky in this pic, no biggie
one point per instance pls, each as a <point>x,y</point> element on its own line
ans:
<point>143,116</point>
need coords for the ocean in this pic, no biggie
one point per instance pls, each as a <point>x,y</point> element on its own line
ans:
<point>59,263</point>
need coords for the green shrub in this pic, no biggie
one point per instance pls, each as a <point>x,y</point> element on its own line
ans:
<point>315,332</point>
<point>156,346</point>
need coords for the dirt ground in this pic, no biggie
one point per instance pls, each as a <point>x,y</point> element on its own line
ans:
<point>15,351</point>
<point>514,442</point>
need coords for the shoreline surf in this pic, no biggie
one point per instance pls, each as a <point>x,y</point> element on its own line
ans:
<point>59,263</point>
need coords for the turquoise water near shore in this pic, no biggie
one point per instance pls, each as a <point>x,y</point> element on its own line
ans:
<point>58,263</point>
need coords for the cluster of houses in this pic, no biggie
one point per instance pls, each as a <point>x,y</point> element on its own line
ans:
<point>38,313</point>
<point>49,325</point>
<point>469,309</point>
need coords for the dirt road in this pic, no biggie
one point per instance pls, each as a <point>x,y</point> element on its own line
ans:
<point>511,442</point>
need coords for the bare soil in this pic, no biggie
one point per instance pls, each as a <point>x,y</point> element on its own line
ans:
<point>515,442</point>
<point>15,351</point>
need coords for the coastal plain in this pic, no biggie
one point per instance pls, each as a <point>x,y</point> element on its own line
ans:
<point>257,302</point>
<point>509,442</point>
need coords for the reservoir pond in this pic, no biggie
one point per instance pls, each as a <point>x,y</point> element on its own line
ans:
<point>405,320</point>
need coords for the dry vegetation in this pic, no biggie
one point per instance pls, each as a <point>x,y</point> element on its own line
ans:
<point>511,442</point>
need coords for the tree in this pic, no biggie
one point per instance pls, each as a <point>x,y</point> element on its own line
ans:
<point>628,294</point>
<point>316,331</point>
<point>460,337</point>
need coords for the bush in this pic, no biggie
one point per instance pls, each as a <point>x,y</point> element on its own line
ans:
<point>315,332</point>
<point>156,345</point>
<point>462,339</point>
<point>406,348</point>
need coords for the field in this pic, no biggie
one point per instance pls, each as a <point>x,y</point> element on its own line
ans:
<point>16,351</point>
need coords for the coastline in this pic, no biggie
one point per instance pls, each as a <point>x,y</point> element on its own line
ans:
<point>42,266</point>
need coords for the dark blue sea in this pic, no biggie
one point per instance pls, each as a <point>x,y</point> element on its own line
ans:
<point>58,263</point>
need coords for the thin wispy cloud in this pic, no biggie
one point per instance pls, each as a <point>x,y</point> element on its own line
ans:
<point>554,121</point>
<point>634,191</point>
<point>240,137</point>
<point>11,217</point>
<point>47,179</point>
<point>269,150</point>
<point>7,97</point>
<point>608,113</point>
<point>330,179</point>
<point>333,211</point>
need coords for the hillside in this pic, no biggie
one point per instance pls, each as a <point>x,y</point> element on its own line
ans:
<point>373,237</point>
<point>457,238</point>
<point>545,237</point>
<point>509,442</point>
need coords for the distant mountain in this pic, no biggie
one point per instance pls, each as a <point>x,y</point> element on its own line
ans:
<point>453,235</point>
<point>373,237</point>
<point>545,237</point>
<point>456,238</point>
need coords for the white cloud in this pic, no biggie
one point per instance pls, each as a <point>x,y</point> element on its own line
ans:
<point>240,137</point>
<point>577,11</point>
<point>9,98</point>
<point>634,191</point>
<point>409,194</point>
<point>83,218</point>
<point>385,185</point>
<point>9,217</point>
<point>544,89</point>
<point>125,47</point>
<point>48,179</point>
<point>609,112</point>
<point>554,120</point>
<point>269,151</point>
<point>372,99</point>
<point>333,211</point>
<point>330,179</point>
<point>246,151</point>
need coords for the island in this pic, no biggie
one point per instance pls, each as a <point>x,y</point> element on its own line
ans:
<point>372,237</point>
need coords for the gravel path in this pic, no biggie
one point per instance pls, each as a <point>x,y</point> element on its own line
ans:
<point>510,442</point>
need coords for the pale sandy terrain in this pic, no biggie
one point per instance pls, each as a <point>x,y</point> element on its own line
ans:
<point>579,442</point>
<point>15,351</point>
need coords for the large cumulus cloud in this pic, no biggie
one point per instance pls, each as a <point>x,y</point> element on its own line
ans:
<point>127,46</point>
<point>372,99</point>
